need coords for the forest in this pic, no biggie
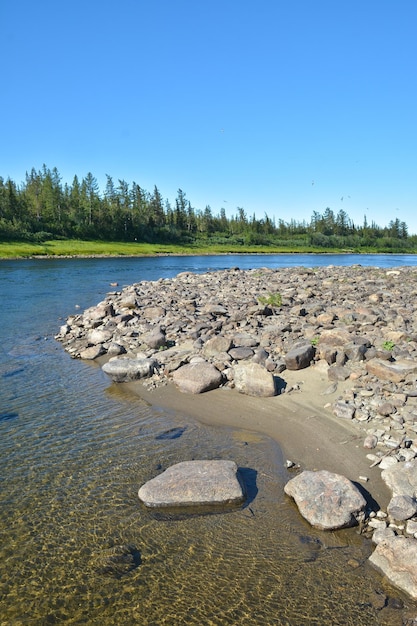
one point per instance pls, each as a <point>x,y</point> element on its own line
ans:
<point>43,208</point>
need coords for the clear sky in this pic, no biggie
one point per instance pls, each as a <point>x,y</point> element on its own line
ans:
<point>278,106</point>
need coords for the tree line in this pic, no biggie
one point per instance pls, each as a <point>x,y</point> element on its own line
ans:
<point>42,208</point>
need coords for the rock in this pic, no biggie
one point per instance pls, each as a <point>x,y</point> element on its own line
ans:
<point>354,351</point>
<point>335,336</point>
<point>119,561</point>
<point>386,409</point>
<point>326,500</point>
<point>401,478</point>
<point>401,508</point>
<point>194,483</point>
<point>115,349</point>
<point>394,371</point>
<point>411,527</point>
<point>299,357</point>
<point>396,558</point>
<point>328,353</point>
<point>343,410</point>
<point>153,312</point>
<point>387,462</point>
<point>254,380</point>
<point>216,344</point>
<point>97,335</point>
<point>240,353</point>
<point>155,339</point>
<point>248,341</point>
<point>370,442</point>
<point>125,369</point>
<point>197,377</point>
<point>99,312</point>
<point>381,534</point>
<point>338,372</point>
<point>93,352</point>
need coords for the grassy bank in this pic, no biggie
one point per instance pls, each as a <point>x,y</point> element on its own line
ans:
<point>72,247</point>
<point>79,248</point>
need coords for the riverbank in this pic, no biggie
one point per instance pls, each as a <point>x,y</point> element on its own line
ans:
<point>339,344</point>
<point>72,248</point>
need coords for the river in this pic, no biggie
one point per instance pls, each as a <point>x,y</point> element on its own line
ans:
<point>77,547</point>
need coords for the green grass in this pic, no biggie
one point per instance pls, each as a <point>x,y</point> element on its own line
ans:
<point>76,247</point>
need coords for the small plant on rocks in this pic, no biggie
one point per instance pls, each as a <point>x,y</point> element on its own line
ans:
<point>273,300</point>
<point>388,345</point>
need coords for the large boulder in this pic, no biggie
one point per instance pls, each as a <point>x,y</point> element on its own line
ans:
<point>254,380</point>
<point>396,558</point>
<point>124,369</point>
<point>326,500</point>
<point>394,371</point>
<point>197,377</point>
<point>194,483</point>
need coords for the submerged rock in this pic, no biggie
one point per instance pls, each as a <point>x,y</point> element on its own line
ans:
<point>396,558</point>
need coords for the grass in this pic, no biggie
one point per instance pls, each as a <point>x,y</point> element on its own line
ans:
<point>388,345</point>
<point>76,247</point>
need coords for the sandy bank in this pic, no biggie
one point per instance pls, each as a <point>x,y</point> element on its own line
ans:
<point>307,432</point>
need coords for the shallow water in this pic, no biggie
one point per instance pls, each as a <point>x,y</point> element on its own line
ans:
<point>76,545</point>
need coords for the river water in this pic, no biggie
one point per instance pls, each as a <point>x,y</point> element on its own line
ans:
<point>76,545</point>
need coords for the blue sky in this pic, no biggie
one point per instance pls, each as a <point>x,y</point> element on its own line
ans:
<point>274,106</point>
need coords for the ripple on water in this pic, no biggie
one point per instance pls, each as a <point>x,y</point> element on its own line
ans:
<point>80,548</point>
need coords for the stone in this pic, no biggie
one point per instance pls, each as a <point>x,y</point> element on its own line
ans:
<point>299,357</point>
<point>153,312</point>
<point>394,371</point>
<point>401,478</point>
<point>325,499</point>
<point>370,442</point>
<point>385,409</point>
<point>401,508</point>
<point>93,352</point>
<point>115,349</point>
<point>380,534</point>
<point>396,558</point>
<point>216,344</point>
<point>194,483</point>
<point>125,369</point>
<point>254,380</point>
<point>98,335</point>
<point>335,336</point>
<point>387,461</point>
<point>155,339</point>
<point>197,377</point>
<point>343,410</point>
<point>338,372</point>
<point>99,312</point>
<point>411,527</point>
<point>240,353</point>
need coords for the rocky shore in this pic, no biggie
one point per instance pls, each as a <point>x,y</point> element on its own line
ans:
<point>264,334</point>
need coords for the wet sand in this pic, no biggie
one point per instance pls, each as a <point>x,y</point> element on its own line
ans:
<point>307,432</point>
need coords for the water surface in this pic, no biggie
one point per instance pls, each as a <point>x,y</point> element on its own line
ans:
<point>76,545</point>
